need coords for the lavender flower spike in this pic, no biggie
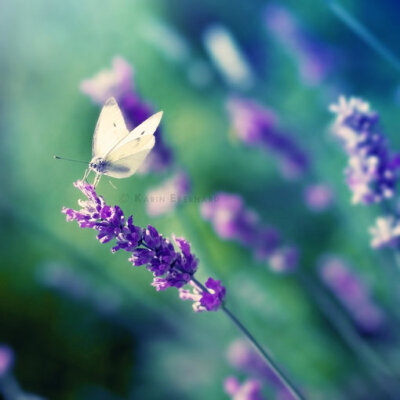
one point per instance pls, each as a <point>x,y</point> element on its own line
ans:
<point>257,126</point>
<point>314,58</point>
<point>231,219</point>
<point>371,170</point>
<point>170,267</point>
<point>351,291</point>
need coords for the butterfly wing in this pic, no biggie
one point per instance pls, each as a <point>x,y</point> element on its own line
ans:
<point>126,157</point>
<point>129,164</point>
<point>110,129</point>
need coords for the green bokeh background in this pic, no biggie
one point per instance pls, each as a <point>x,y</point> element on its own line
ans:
<point>151,345</point>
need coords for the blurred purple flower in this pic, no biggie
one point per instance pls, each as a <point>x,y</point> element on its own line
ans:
<point>256,125</point>
<point>164,198</point>
<point>118,82</point>
<point>285,259</point>
<point>115,82</point>
<point>243,357</point>
<point>6,359</point>
<point>352,293</point>
<point>232,220</point>
<point>318,197</point>
<point>148,247</point>
<point>386,232</point>
<point>315,59</point>
<point>251,389</point>
<point>371,170</point>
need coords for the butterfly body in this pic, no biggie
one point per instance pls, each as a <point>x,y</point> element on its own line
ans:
<point>116,151</point>
<point>98,165</point>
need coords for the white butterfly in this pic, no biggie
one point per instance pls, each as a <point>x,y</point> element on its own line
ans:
<point>116,152</point>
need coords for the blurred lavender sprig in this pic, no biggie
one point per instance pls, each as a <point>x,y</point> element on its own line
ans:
<point>118,82</point>
<point>315,59</point>
<point>353,294</point>
<point>170,268</point>
<point>6,359</point>
<point>232,220</point>
<point>371,170</point>
<point>257,126</point>
<point>164,198</point>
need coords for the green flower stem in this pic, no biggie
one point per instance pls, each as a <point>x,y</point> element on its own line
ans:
<point>266,357</point>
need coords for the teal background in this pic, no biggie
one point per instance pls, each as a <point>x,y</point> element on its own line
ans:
<point>150,345</point>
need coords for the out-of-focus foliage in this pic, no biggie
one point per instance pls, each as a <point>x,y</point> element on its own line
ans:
<point>83,322</point>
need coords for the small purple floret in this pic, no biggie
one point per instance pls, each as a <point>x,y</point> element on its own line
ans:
<point>354,295</point>
<point>209,300</point>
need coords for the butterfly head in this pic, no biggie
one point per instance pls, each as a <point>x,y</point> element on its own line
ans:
<point>98,164</point>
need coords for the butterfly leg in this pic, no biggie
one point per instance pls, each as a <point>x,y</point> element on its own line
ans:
<point>87,172</point>
<point>96,180</point>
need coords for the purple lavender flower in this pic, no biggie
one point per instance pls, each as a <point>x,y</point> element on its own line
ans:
<point>371,171</point>
<point>118,83</point>
<point>164,198</point>
<point>257,126</point>
<point>314,58</point>
<point>232,220</point>
<point>251,389</point>
<point>148,247</point>
<point>6,359</point>
<point>318,197</point>
<point>205,301</point>
<point>386,232</point>
<point>352,293</point>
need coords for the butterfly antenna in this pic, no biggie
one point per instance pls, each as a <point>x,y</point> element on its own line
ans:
<point>70,159</point>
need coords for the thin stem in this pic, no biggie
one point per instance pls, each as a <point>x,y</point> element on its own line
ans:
<point>363,33</point>
<point>199,284</point>
<point>267,358</point>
